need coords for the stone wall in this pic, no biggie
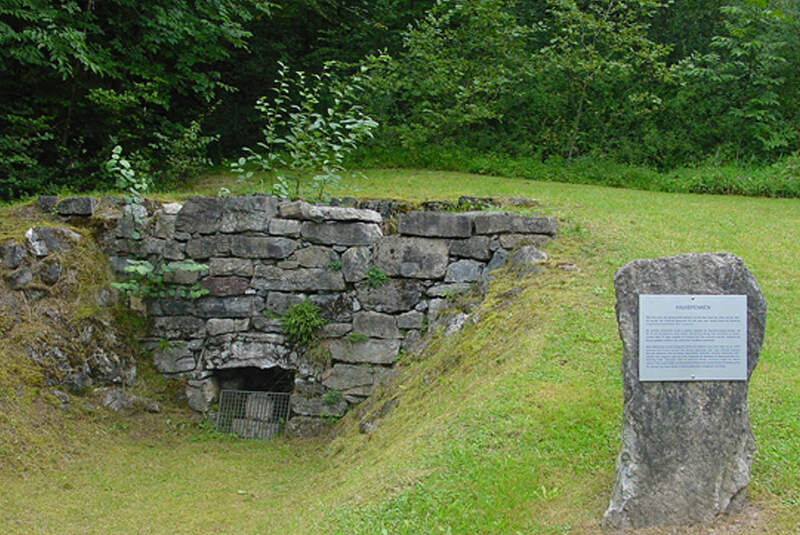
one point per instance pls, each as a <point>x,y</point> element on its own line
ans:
<point>265,255</point>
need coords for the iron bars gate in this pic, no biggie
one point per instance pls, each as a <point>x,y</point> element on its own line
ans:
<point>252,414</point>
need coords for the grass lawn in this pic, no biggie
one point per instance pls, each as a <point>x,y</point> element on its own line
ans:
<point>509,426</point>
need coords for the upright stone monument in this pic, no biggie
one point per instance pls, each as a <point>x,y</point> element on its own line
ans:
<point>686,444</point>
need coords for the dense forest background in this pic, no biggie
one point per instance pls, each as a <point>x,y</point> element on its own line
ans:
<point>649,83</point>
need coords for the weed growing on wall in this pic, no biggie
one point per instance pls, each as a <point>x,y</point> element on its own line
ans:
<point>301,324</point>
<point>148,280</point>
<point>375,277</point>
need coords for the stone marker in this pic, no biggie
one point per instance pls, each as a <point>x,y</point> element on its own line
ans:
<point>686,446</point>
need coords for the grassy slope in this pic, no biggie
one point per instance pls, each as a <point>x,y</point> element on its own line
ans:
<point>509,426</point>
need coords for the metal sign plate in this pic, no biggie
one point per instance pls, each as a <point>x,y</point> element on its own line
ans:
<point>692,337</point>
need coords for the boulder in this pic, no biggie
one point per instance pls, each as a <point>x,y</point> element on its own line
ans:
<point>686,446</point>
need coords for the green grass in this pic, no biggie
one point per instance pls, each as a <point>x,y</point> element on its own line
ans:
<point>510,426</point>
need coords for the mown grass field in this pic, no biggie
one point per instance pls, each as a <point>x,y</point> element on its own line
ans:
<point>509,426</point>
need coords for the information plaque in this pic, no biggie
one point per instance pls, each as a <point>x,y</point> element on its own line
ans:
<point>692,337</point>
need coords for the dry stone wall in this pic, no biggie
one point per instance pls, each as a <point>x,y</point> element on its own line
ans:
<point>265,255</point>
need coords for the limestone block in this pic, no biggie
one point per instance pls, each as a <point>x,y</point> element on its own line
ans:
<point>335,330</point>
<point>448,290</point>
<point>434,224</point>
<point>225,286</point>
<point>242,214</point>
<point>11,254</point>
<point>476,247</point>
<point>50,272</point>
<point>223,267</point>
<point>178,327</point>
<point>300,210</point>
<point>201,215</point>
<point>208,246</point>
<point>341,233</point>
<point>498,260</point>
<point>370,351</point>
<point>165,225</point>
<point>279,302</point>
<point>43,241</point>
<point>167,306</point>
<point>419,258</point>
<point>344,377</point>
<point>270,325</point>
<point>262,246</point>
<point>464,271</point>
<point>284,227</point>
<point>76,206</point>
<point>17,280</point>
<point>314,257</point>
<point>375,325</point>
<point>305,427</point>
<point>175,358</point>
<point>298,280</point>
<point>47,203</point>
<point>503,222</point>
<point>355,263</point>
<point>411,320</point>
<point>686,446</point>
<point>340,213</point>
<point>317,406</point>
<point>527,256</point>
<point>396,295</point>
<point>229,307</point>
<point>201,393</point>
<point>334,306</point>
<point>512,241</point>
<point>129,225</point>
<point>218,326</point>
<point>259,350</point>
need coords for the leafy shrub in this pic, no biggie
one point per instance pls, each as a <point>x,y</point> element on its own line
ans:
<point>301,324</point>
<point>311,137</point>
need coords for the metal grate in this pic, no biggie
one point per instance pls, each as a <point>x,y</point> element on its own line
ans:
<point>252,414</point>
